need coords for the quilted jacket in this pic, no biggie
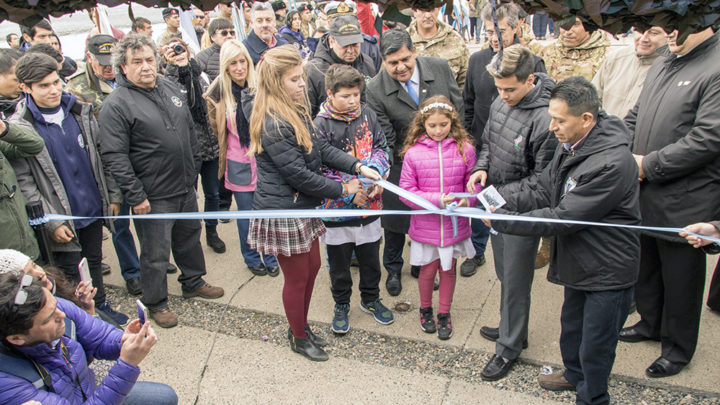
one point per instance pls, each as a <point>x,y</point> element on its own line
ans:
<point>431,169</point>
<point>95,338</point>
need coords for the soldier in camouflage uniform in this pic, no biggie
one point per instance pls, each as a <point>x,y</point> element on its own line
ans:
<point>433,37</point>
<point>577,53</point>
<point>97,80</point>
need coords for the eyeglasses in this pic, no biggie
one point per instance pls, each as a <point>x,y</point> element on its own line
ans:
<point>227,32</point>
<point>22,295</point>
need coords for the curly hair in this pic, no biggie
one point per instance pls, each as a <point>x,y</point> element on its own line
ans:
<point>437,105</point>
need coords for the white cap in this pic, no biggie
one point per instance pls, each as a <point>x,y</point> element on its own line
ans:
<point>12,260</point>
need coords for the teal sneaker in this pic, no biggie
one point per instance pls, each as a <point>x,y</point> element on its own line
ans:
<point>381,313</point>
<point>340,322</point>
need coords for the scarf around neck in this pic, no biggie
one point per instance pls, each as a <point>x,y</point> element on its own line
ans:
<point>346,116</point>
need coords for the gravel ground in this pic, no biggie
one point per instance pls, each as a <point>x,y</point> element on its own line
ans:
<point>416,356</point>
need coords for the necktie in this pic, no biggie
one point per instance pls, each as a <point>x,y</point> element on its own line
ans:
<point>411,92</point>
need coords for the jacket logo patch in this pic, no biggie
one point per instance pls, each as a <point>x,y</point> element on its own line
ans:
<point>176,101</point>
<point>569,185</point>
<point>81,141</point>
<point>516,141</point>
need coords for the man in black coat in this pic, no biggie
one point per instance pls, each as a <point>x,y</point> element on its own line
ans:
<point>220,30</point>
<point>395,94</point>
<point>593,177</point>
<point>479,93</point>
<point>341,46</point>
<point>148,144</point>
<point>262,37</point>
<point>676,123</point>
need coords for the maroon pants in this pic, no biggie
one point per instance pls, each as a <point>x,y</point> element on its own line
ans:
<point>299,272</point>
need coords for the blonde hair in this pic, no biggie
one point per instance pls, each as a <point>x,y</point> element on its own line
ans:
<point>271,98</point>
<point>437,105</point>
<point>231,49</point>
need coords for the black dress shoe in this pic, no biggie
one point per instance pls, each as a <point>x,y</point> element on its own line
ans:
<point>307,348</point>
<point>493,334</point>
<point>415,271</point>
<point>272,271</point>
<point>317,340</point>
<point>259,270</point>
<point>631,335</point>
<point>171,269</point>
<point>496,368</point>
<point>393,284</point>
<point>133,286</point>
<point>663,367</point>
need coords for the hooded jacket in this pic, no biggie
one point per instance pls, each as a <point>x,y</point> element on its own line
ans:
<point>597,181</point>
<point>96,339</point>
<point>363,138</point>
<point>676,124</point>
<point>289,177</point>
<point>431,170</point>
<point>516,142</point>
<point>324,57</point>
<point>148,141</point>
<point>39,180</point>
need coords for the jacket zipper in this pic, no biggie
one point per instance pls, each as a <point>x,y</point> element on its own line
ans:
<point>442,228</point>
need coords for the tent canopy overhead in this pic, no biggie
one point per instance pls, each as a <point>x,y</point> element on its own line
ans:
<point>614,16</point>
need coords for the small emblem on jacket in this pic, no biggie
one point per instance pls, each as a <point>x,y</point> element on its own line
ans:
<point>81,141</point>
<point>516,141</point>
<point>176,101</point>
<point>569,185</point>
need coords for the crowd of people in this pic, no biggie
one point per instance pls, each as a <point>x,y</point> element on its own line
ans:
<point>310,110</point>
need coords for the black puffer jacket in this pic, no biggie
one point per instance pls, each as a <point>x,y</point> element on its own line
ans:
<point>287,176</point>
<point>148,142</point>
<point>324,57</point>
<point>596,182</point>
<point>209,61</point>
<point>480,91</point>
<point>188,77</point>
<point>516,142</point>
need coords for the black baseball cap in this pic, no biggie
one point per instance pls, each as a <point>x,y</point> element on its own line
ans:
<point>101,46</point>
<point>346,30</point>
<point>169,11</point>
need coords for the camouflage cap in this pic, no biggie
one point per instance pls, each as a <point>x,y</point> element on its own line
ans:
<point>101,46</point>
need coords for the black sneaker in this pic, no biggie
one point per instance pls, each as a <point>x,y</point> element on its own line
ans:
<point>427,321</point>
<point>415,271</point>
<point>105,311</point>
<point>469,266</point>
<point>444,326</point>
<point>214,241</point>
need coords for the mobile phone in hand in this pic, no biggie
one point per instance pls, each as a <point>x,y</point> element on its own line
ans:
<point>142,312</point>
<point>84,270</point>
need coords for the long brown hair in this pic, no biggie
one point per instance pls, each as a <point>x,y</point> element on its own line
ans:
<point>437,105</point>
<point>272,99</point>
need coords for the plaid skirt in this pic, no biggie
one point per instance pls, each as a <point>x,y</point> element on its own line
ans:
<point>284,236</point>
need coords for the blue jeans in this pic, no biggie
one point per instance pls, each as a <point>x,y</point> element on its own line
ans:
<point>244,201</point>
<point>145,392</point>
<point>125,246</point>
<point>480,235</point>
<point>590,323</point>
<point>211,188</point>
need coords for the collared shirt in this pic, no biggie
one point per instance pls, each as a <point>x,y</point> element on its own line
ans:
<point>574,146</point>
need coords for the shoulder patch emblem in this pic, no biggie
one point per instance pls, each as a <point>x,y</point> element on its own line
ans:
<point>176,101</point>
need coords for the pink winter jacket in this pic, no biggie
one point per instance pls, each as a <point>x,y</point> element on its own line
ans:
<point>422,166</point>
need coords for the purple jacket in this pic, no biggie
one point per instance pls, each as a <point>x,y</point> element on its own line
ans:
<point>431,169</point>
<point>95,338</point>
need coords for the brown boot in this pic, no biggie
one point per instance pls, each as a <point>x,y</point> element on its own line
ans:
<point>555,382</point>
<point>543,255</point>
<point>206,291</point>
<point>164,318</point>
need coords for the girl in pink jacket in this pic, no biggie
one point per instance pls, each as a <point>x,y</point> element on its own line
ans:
<point>438,157</point>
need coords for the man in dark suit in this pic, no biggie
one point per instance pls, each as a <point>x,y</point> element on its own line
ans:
<point>395,94</point>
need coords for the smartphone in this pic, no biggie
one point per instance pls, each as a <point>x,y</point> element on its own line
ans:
<point>84,270</point>
<point>142,312</point>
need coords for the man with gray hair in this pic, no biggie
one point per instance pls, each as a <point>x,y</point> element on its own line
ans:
<point>150,148</point>
<point>262,36</point>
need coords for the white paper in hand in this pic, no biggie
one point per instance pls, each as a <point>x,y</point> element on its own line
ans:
<point>490,197</point>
